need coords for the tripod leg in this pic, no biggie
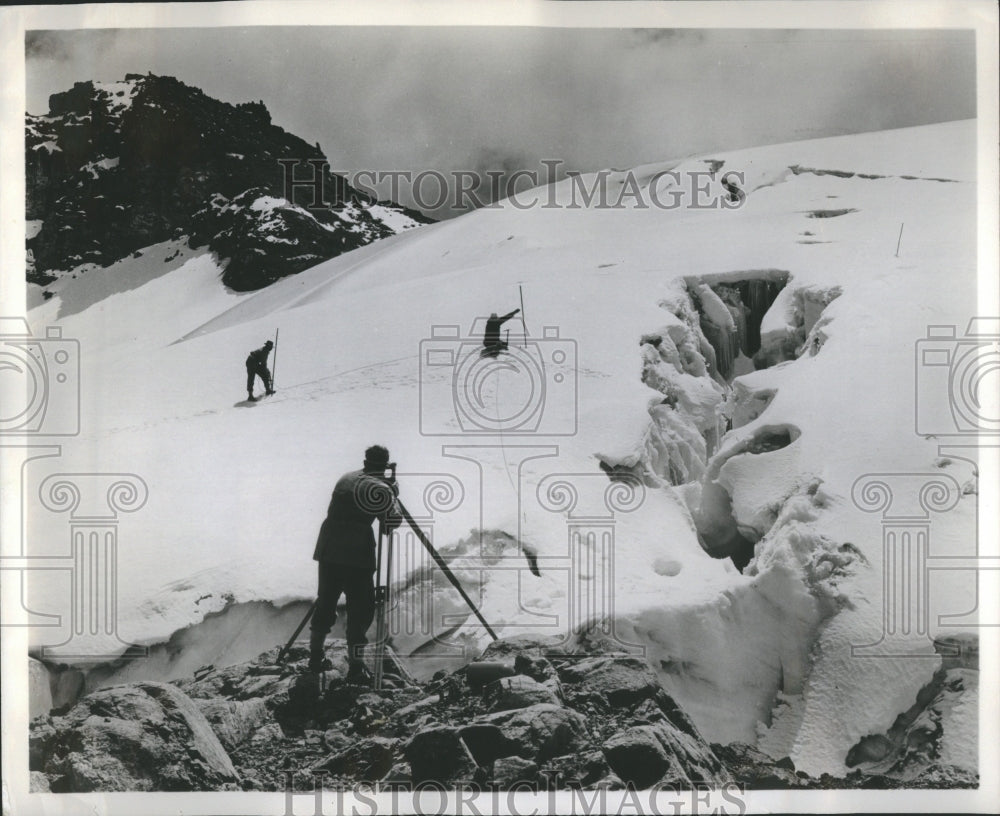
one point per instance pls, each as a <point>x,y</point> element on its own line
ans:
<point>295,634</point>
<point>379,637</point>
<point>381,592</point>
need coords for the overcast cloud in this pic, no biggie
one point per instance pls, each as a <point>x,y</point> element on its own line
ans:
<point>445,98</point>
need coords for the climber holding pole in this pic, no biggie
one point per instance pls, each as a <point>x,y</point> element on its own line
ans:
<point>256,365</point>
<point>492,344</point>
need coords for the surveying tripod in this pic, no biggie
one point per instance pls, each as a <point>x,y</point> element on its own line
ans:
<point>383,588</point>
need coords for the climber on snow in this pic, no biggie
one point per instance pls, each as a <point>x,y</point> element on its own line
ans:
<point>257,367</point>
<point>492,344</point>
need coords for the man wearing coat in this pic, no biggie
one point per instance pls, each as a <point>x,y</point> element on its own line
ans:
<point>345,550</point>
<point>492,344</point>
<point>257,367</point>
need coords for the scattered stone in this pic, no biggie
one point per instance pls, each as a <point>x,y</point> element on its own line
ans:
<point>399,774</point>
<point>418,707</point>
<point>510,771</point>
<point>530,645</point>
<point>540,731</point>
<point>439,754</point>
<point>366,720</point>
<point>484,673</point>
<point>540,669</point>
<point>336,740</point>
<point>621,680</point>
<point>268,734</point>
<point>266,668</point>
<point>519,691</point>
<point>234,721</point>
<point>756,769</point>
<point>369,760</point>
<point>585,770</point>
<point>40,738</point>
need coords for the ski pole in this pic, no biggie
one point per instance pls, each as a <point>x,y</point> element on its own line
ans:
<point>523,324</point>
<point>291,640</point>
<point>444,567</point>
<point>274,364</point>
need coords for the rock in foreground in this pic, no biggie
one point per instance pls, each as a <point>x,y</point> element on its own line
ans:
<point>138,737</point>
<point>535,716</point>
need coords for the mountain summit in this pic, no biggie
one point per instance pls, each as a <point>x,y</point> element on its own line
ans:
<point>115,167</point>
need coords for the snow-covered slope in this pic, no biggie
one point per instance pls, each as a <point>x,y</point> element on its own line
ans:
<point>623,306</point>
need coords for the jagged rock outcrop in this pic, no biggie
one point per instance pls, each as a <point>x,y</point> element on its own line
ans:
<point>115,167</point>
<point>138,737</point>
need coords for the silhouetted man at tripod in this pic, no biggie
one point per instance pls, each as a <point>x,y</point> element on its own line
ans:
<point>492,344</point>
<point>345,551</point>
<point>257,367</point>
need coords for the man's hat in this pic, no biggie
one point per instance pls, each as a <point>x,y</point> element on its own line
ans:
<point>269,344</point>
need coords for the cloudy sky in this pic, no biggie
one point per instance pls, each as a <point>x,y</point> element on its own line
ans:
<point>495,98</point>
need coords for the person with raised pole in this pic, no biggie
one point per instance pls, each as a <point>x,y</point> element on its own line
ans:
<point>345,550</point>
<point>492,344</point>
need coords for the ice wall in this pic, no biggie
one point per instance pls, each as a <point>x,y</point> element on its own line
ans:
<point>731,310</point>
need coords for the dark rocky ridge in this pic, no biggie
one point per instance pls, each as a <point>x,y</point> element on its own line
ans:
<point>526,713</point>
<point>116,167</point>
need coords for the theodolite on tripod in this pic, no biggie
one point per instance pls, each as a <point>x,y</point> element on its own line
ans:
<point>383,584</point>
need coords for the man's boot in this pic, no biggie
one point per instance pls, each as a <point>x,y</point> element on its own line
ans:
<point>317,653</point>
<point>357,673</point>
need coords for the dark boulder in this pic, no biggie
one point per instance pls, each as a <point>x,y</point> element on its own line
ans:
<point>438,754</point>
<point>646,754</point>
<point>540,731</point>
<point>487,743</point>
